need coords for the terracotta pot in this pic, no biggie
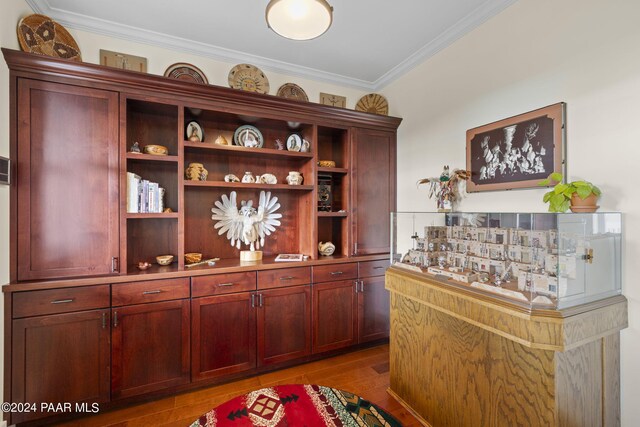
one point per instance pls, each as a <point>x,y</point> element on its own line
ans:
<point>587,205</point>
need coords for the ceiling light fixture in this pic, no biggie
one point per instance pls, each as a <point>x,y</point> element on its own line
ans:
<point>299,19</point>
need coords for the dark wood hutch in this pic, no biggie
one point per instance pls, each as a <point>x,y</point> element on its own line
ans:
<point>83,324</point>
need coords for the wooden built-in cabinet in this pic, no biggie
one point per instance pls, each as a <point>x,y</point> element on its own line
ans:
<point>85,325</point>
<point>66,154</point>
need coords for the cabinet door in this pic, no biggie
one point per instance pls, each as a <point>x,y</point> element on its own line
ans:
<point>373,310</point>
<point>373,189</point>
<point>67,173</point>
<point>60,358</point>
<point>223,331</point>
<point>284,324</point>
<point>334,315</point>
<point>150,348</point>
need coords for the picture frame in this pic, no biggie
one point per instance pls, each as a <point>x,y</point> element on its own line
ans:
<point>517,152</point>
<point>333,100</point>
<point>289,257</point>
<point>123,61</point>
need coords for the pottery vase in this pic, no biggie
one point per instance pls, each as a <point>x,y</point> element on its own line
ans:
<point>584,205</point>
<point>248,178</point>
<point>326,248</point>
<point>196,172</point>
<point>294,178</point>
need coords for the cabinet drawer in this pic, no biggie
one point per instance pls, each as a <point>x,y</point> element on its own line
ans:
<point>149,291</point>
<point>373,268</point>
<point>333,272</point>
<point>219,284</point>
<point>284,277</point>
<point>64,300</point>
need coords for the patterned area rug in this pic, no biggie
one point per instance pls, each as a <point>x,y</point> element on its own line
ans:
<point>297,405</point>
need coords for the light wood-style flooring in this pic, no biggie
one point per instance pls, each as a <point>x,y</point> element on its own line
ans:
<point>364,372</point>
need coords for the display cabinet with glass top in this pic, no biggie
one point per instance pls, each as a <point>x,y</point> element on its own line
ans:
<point>542,260</point>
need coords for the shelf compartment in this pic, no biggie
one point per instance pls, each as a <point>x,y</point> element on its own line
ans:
<point>333,144</point>
<point>148,237</point>
<point>164,215</point>
<point>243,186</point>
<point>151,158</point>
<point>152,123</point>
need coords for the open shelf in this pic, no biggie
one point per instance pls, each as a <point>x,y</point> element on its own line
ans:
<point>151,157</point>
<point>341,171</point>
<point>333,214</point>
<point>164,215</point>
<point>244,151</point>
<point>240,185</point>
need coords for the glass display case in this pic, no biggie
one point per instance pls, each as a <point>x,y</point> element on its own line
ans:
<point>541,260</point>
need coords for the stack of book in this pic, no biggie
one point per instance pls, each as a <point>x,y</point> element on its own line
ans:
<point>143,196</point>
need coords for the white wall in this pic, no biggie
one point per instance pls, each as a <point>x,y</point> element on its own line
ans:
<point>536,53</point>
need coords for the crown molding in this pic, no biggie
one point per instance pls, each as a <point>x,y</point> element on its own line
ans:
<point>477,17</point>
<point>126,32</point>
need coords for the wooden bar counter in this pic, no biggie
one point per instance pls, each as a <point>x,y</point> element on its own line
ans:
<point>459,357</point>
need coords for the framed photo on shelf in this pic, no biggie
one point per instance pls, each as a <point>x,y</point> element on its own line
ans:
<point>517,152</point>
<point>289,257</point>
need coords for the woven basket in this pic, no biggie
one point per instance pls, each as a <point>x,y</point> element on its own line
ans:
<point>42,35</point>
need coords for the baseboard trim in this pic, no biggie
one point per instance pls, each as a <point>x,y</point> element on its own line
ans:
<point>406,406</point>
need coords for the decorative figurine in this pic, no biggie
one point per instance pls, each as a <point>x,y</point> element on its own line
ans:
<point>247,225</point>
<point>448,188</point>
<point>221,140</point>
<point>135,148</point>
<point>231,178</point>
<point>279,144</point>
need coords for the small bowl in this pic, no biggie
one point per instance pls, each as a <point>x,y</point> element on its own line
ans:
<point>192,257</point>
<point>164,259</point>
<point>156,150</point>
<point>326,163</point>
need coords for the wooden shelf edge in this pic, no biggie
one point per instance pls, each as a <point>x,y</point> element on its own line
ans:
<point>333,214</point>
<point>151,215</point>
<point>240,185</point>
<point>246,151</point>
<point>151,157</point>
<point>333,170</point>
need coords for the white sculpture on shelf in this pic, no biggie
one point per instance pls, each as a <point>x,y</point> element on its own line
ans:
<point>247,225</point>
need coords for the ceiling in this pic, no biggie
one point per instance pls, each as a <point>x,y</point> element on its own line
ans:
<point>369,45</point>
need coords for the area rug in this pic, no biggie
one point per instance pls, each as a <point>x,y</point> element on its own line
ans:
<point>297,405</point>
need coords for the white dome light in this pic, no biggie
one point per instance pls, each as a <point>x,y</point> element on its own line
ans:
<point>299,19</point>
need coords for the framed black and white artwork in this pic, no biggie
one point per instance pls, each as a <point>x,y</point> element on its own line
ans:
<point>517,152</point>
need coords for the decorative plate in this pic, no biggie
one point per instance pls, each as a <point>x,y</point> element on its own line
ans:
<point>248,77</point>
<point>248,136</point>
<point>192,127</point>
<point>42,35</point>
<point>292,91</point>
<point>294,142</point>
<point>373,103</point>
<point>186,72</point>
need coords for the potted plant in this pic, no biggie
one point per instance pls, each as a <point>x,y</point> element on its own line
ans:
<point>580,196</point>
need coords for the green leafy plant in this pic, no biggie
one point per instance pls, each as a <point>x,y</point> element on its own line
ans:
<point>559,198</point>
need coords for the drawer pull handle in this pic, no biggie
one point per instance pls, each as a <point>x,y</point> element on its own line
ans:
<point>378,267</point>
<point>226,284</point>
<point>287,278</point>
<point>63,301</point>
<point>157,291</point>
<point>336,273</point>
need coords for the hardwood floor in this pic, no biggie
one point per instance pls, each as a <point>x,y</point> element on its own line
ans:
<point>364,372</point>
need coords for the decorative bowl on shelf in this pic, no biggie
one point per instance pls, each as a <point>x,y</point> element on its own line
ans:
<point>156,150</point>
<point>326,163</point>
<point>143,265</point>
<point>164,259</point>
<point>192,257</point>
